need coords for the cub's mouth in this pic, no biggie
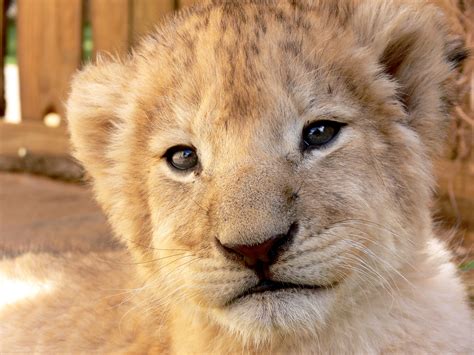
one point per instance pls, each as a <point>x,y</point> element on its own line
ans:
<point>270,286</point>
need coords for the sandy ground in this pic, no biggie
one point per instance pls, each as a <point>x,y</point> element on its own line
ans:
<point>40,214</point>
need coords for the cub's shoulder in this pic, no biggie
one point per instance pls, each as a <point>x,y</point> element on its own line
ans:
<point>56,297</point>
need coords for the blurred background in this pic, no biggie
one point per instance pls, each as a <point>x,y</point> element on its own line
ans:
<point>45,205</point>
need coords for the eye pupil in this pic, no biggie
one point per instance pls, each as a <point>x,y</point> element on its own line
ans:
<point>320,133</point>
<point>182,158</point>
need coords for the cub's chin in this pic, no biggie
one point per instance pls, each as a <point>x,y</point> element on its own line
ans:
<point>272,308</point>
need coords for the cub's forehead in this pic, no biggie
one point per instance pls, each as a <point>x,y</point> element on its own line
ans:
<point>234,63</point>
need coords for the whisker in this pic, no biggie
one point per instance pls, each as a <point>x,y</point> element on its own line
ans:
<point>365,236</point>
<point>375,224</point>
<point>154,260</point>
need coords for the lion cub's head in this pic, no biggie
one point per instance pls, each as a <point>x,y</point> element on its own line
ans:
<point>268,162</point>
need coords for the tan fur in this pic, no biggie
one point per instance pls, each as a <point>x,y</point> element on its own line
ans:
<point>239,81</point>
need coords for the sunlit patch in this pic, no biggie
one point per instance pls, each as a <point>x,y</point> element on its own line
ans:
<point>12,291</point>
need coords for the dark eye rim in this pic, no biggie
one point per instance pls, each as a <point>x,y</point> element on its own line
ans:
<point>173,150</point>
<point>336,124</point>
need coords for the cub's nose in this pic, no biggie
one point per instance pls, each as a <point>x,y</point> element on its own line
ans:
<point>259,256</point>
<point>262,252</point>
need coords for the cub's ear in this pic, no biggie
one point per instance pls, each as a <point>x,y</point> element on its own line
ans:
<point>412,44</point>
<point>93,112</point>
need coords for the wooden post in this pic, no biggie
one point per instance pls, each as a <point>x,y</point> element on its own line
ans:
<point>49,52</point>
<point>117,24</point>
<point>110,20</point>
<point>146,14</point>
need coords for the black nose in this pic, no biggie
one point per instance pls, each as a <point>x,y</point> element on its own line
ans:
<point>260,256</point>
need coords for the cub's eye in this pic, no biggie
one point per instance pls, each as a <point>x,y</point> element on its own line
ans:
<point>320,133</point>
<point>182,157</point>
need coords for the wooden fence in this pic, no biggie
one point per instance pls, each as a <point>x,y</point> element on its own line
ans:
<point>49,51</point>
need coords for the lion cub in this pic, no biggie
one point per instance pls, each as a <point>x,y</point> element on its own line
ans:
<point>267,164</point>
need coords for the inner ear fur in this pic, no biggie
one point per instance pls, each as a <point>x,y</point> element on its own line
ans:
<point>93,112</point>
<point>96,112</point>
<point>413,46</point>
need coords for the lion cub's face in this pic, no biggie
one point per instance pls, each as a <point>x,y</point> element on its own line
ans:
<point>268,164</point>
